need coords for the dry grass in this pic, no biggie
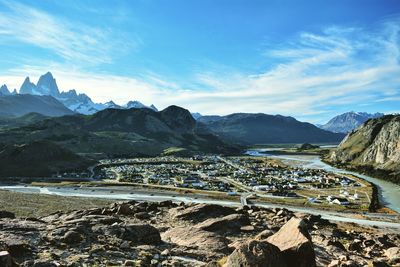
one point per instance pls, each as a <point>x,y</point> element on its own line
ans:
<point>37,205</point>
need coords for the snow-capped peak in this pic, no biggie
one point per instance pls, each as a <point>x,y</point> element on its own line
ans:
<point>4,90</point>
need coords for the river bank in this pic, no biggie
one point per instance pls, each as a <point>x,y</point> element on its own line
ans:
<point>30,193</point>
<point>386,192</point>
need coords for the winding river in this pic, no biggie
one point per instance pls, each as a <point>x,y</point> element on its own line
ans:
<point>389,193</point>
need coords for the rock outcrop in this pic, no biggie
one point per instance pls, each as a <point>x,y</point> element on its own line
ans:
<point>374,147</point>
<point>202,212</point>
<point>295,243</point>
<point>229,223</point>
<point>122,235</point>
<point>256,254</point>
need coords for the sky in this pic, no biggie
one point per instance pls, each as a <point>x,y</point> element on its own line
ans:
<point>309,59</point>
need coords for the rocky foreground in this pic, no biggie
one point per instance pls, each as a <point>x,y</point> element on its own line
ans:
<point>167,234</point>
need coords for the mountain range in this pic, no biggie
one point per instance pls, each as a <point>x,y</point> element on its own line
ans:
<point>240,128</point>
<point>79,103</point>
<point>4,91</point>
<point>348,121</point>
<point>119,132</point>
<point>259,128</point>
<point>374,148</point>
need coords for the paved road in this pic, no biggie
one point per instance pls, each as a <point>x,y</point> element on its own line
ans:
<point>120,193</point>
<point>244,197</point>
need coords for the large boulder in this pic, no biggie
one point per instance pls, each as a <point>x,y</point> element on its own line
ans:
<point>295,243</point>
<point>201,212</point>
<point>393,254</point>
<point>142,234</point>
<point>229,223</point>
<point>256,254</point>
<point>196,238</point>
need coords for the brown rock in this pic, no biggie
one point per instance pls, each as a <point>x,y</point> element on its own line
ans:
<point>201,212</point>
<point>295,243</point>
<point>72,237</point>
<point>337,244</point>
<point>247,228</point>
<point>142,215</point>
<point>355,246</point>
<point>334,263</point>
<point>125,209</point>
<point>195,237</point>
<point>229,223</point>
<point>256,254</point>
<point>141,234</point>
<point>393,254</point>
<point>264,234</point>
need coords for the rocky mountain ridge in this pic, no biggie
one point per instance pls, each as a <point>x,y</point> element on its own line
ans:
<point>373,147</point>
<point>169,234</point>
<point>348,121</point>
<point>122,132</point>
<point>259,128</point>
<point>77,102</point>
<point>4,91</point>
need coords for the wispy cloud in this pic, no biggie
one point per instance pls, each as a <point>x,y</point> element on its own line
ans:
<point>312,75</point>
<point>315,73</point>
<point>71,41</point>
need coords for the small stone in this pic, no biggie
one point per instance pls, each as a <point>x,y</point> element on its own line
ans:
<point>247,228</point>
<point>334,263</point>
<point>165,252</point>
<point>72,237</point>
<point>343,258</point>
<point>129,263</point>
<point>125,245</point>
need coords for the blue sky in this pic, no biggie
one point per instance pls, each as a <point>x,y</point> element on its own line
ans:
<point>308,59</point>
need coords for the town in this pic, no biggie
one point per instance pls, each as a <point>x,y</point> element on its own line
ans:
<point>263,179</point>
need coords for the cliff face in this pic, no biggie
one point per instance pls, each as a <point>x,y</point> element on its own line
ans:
<point>375,146</point>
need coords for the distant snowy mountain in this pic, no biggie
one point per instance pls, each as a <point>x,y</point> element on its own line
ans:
<point>111,104</point>
<point>80,103</point>
<point>137,104</point>
<point>4,90</point>
<point>349,121</point>
<point>47,85</point>
<point>29,88</point>
<point>196,115</point>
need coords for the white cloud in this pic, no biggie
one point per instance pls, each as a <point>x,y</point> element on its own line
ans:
<point>313,75</point>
